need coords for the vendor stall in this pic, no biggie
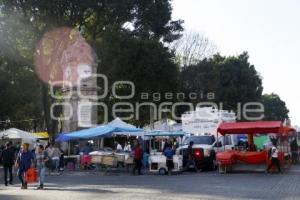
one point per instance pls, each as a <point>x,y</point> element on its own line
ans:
<point>17,135</point>
<point>107,159</point>
<point>157,160</point>
<point>252,159</point>
<point>102,157</point>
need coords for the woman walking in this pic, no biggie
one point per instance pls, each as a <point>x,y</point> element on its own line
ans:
<point>23,163</point>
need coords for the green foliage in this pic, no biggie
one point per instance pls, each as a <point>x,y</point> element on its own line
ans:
<point>232,79</point>
<point>125,34</point>
<point>20,96</point>
<point>275,108</point>
<point>147,63</point>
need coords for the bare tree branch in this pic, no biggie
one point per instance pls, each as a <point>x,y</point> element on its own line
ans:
<point>192,48</point>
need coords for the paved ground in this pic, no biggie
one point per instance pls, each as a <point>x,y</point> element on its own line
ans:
<point>205,185</point>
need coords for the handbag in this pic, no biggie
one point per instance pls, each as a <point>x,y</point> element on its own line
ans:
<point>31,175</point>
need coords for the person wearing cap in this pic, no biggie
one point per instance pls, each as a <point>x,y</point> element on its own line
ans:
<point>8,158</point>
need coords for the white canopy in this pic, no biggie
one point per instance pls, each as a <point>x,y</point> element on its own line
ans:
<point>165,125</point>
<point>14,133</point>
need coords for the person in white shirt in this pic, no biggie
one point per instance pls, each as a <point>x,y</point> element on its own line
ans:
<point>127,147</point>
<point>274,158</point>
<point>119,147</point>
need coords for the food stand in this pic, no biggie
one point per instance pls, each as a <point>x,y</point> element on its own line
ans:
<point>237,160</point>
<point>103,158</point>
<point>106,159</point>
<point>157,160</point>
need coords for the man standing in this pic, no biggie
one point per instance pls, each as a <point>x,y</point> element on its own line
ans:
<point>138,154</point>
<point>190,161</point>
<point>169,152</point>
<point>8,158</point>
<point>294,150</point>
<point>274,158</point>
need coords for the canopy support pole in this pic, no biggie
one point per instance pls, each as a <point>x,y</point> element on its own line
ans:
<point>69,148</point>
<point>250,139</point>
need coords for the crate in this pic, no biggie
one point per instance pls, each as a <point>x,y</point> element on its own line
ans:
<point>129,160</point>
<point>109,160</point>
<point>120,158</point>
<point>96,159</point>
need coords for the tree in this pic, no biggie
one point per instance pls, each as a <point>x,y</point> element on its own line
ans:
<point>24,22</point>
<point>20,101</point>
<point>153,20</point>
<point>193,47</point>
<point>146,63</point>
<point>232,80</point>
<point>239,81</point>
<point>275,108</point>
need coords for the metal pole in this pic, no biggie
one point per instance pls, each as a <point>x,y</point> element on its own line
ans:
<point>69,148</point>
<point>224,138</point>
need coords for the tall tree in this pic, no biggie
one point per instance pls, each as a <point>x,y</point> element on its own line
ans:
<point>275,108</point>
<point>153,20</point>
<point>146,63</point>
<point>20,101</point>
<point>232,80</point>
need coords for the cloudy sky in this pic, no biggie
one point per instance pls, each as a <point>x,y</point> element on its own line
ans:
<point>268,29</point>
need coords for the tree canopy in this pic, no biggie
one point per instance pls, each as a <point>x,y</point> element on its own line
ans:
<point>232,80</point>
<point>275,108</point>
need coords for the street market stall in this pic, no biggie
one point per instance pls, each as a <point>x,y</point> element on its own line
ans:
<point>17,135</point>
<point>157,160</point>
<point>237,160</point>
<point>102,157</point>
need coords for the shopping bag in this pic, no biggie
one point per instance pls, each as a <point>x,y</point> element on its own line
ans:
<point>31,175</point>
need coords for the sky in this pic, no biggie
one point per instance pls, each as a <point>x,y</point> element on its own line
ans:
<point>268,30</point>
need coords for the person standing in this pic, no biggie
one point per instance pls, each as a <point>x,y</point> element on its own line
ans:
<point>36,145</point>
<point>294,150</point>
<point>23,163</point>
<point>138,154</point>
<point>169,153</point>
<point>8,159</point>
<point>119,147</point>
<point>274,159</point>
<point>127,147</point>
<point>41,158</point>
<point>190,160</point>
<point>54,153</point>
<point>86,150</point>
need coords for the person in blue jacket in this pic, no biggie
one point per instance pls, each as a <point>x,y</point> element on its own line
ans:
<point>24,162</point>
<point>169,152</point>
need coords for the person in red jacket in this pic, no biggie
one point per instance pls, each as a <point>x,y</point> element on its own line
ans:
<point>138,155</point>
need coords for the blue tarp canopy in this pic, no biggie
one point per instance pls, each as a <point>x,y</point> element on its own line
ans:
<point>99,131</point>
